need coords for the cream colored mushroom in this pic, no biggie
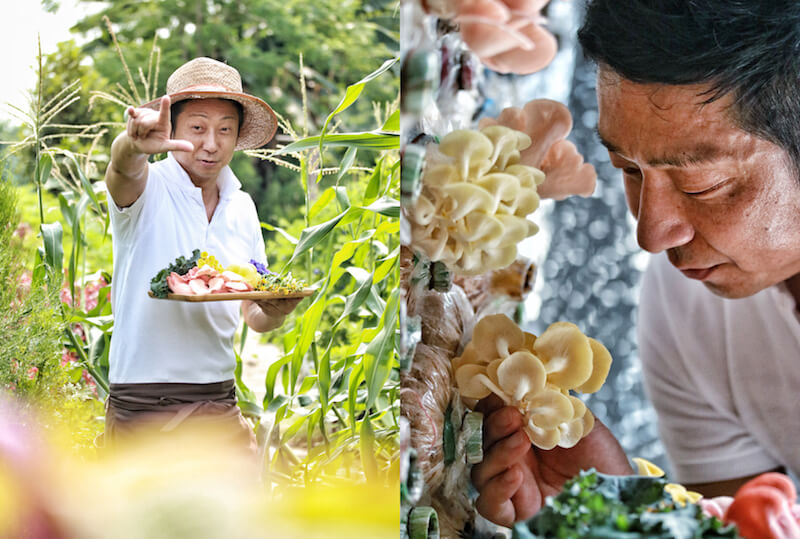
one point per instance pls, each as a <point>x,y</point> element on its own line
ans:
<point>542,438</point>
<point>566,353</point>
<point>507,145</point>
<point>521,375</point>
<point>573,430</point>
<point>468,197</point>
<point>477,227</point>
<point>470,381</point>
<point>496,336</point>
<point>501,185</point>
<point>529,339</point>
<point>549,408</point>
<point>601,364</point>
<point>470,149</point>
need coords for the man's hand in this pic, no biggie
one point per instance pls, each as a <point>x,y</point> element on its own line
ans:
<point>267,315</point>
<point>515,477</point>
<point>148,132</point>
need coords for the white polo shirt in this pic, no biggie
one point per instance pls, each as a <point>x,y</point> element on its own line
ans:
<point>157,340</point>
<point>723,375</point>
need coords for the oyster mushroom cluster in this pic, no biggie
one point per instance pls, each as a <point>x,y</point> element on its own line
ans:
<point>548,123</point>
<point>535,375</point>
<point>471,212</point>
<point>507,35</point>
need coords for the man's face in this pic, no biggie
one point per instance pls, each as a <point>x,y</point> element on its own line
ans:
<point>212,126</point>
<point>723,203</point>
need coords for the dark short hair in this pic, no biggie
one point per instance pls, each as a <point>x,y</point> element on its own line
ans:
<point>749,49</point>
<point>176,108</point>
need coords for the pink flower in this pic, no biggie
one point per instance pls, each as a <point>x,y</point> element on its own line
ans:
<point>22,230</point>
<point>24,284</point>
<point>68,356</point>
<point>89,382</point>
<point>92,293</point>
<point>32,372</point>
<point>65,295</point>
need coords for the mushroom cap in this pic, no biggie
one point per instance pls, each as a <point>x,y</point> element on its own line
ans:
<point>491,369</point>
<point>542,438</point>
<point>529,339</point>
<point>495,336</point>
<point>468,197</point>
<point>423,211</point>
<point>471,151</point>
<point>515,229</point>
<point>573,430</point>
<point>469,382</point>
<point>601,364</point>
<point>565,173</point>
<point>468,356</point>
<point>507,144</point>
<point>566,353</point>
<point>521,375</point>
<point>480,227</point>
<point>549,408</point>
<point>501,185</point>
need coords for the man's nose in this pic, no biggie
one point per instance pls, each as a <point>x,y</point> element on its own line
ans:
<point>210,143</point>
<point>662,219</point>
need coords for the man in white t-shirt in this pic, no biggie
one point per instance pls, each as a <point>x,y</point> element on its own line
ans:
<point>171,360</point>
<point>699,106</point>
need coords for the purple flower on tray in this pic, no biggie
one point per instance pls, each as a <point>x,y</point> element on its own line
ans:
<point>260,268</point>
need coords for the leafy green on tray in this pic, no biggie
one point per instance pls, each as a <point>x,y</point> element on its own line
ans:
<point>181,266</point>
<point>599,506</point>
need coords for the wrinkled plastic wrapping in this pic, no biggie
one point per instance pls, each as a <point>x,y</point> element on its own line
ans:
<point>451,498</point>
<point>426,390</point>
<point>444,317</point>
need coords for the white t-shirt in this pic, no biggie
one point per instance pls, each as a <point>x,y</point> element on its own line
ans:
<point>157,340</point>
<point>723,375</point>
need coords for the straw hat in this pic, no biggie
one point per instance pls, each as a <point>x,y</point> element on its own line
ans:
<point>204,78</point>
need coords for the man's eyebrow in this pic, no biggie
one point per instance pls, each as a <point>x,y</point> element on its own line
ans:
<point>702,153</point>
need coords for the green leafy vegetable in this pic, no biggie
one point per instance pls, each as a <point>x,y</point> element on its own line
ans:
<point>595,506</point>
<point>181,266</point>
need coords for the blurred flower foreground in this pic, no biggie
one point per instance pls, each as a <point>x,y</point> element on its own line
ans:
<point>187,485</point>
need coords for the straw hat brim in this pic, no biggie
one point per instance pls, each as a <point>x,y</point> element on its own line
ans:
<point>260,122</point>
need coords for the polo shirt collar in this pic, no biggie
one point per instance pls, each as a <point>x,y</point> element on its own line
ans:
<point>227,181</point>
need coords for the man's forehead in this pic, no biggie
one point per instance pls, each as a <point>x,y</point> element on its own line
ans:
<point>220,109</point>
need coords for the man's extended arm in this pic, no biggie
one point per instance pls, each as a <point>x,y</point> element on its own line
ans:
<point>148,132</point>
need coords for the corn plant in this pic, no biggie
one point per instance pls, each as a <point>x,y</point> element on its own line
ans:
<point>333,416</point>
<point>79,199</point>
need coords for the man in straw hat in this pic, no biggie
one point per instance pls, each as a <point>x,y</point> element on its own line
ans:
<point>169,360</point>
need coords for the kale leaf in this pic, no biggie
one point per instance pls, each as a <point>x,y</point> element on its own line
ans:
<point>598,506</point>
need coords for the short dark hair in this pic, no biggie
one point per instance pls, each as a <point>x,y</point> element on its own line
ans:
<point>747,48</point>
<point>176,108</point>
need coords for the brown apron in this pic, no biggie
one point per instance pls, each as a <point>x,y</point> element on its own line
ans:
<point>164,407</point>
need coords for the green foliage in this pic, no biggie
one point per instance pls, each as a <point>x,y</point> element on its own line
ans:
<point>595,505</point>
<point>332,395</point>
<point>32,329</point>
<point>181,266</point>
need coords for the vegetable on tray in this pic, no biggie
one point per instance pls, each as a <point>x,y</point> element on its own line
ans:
<point>595,505</point>
<point>202,278</point>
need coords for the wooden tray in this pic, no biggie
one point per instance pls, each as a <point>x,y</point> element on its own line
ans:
<point>226,296</point>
